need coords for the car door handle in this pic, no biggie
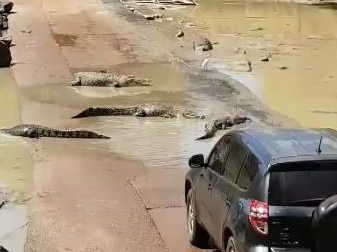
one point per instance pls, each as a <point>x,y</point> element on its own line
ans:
<point>210,187</point>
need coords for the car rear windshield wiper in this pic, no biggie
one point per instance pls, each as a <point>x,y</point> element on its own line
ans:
<point>307,202</point>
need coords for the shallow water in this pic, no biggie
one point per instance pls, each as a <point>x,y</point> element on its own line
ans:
<point>288,31</point>
<point>155,141</point>
<point>15,167</point>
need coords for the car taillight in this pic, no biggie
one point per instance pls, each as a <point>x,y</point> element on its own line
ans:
<point>258,217</point>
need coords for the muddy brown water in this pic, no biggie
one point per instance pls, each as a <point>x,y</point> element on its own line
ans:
<point>286,31</point>
<point>295,39</point>
<point>15,167</point>
<point>155,141</point>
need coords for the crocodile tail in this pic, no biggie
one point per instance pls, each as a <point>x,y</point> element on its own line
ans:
<point>209,134</point>
<point>106,112</point>
<point>90,134</point>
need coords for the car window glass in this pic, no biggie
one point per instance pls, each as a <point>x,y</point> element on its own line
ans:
<point>237,154</point>
<point>303,184</point>
<point>219,155</point>
<point>248,172</point>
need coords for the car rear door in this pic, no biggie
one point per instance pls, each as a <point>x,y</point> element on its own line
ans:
<point>295,190</point>
<point>207,177</point>
<point>224,188</point>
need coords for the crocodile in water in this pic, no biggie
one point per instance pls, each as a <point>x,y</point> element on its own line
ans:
<point>36,131</point>
<point>144,110</point>
<point>222,124</point>
<point>107,79</point>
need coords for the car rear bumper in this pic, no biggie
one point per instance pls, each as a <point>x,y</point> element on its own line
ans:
<point>265,249</point>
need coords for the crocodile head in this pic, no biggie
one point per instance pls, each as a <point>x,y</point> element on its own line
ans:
<point>76,81</point>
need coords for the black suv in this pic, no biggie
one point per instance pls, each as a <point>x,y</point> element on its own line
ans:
<point>264,190</point>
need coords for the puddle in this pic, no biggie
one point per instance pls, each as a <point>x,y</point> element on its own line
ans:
<point>9,99</point>
<point>168,85</point>
<point>15,167</point>
<point>155,141</point>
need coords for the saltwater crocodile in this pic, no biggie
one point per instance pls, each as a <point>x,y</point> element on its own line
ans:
<point>36,131</point>
<point>222,124</point>
<point>107,79</point>
<point>143,110</point>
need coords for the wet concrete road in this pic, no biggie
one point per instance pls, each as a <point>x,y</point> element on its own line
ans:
<point>90,190</point>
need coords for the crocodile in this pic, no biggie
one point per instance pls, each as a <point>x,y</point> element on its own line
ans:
<point>143,110</point>
<point>107,79</point>
<point>36,131</point>
<point>222,124</point>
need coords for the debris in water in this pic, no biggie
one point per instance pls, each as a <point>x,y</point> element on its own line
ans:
<point>257,29</point>
<point>184,2</point>
<point>265,58</point>
<point>180,33</point>
<point>149,17</point>
<point>26,31</point>
<point>283,67</point>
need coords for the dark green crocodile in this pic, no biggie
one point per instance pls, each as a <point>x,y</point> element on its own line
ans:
<point>222,124</point>
<point>36,131</point>
<point>143,110</point>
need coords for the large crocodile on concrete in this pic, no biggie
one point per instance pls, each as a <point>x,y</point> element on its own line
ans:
<point>143,110</point>
<point>36,131</point>
<point>222,124</point>
<point>107,79</point>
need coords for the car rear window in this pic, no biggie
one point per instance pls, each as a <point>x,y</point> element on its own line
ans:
<point>306,184</point>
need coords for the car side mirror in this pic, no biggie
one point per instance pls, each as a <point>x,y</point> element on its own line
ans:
<point>196,161</point>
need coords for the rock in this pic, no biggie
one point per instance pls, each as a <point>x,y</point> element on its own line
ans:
<point>26,31</point>
<point>5,55</point>
<point>2,249</point>
<point>161,7</point>
<point>6,5</point>
<point>132,9</point>
<point>283,67</point>
<point>257,29</point>
<point>180,33</point>
<point>4,21</point>
<point>183,2</point>
<point>149,17</point>
<point>169,19</point>
<point>265,59</point>
<point>6,37</point>
<point>202,44</point>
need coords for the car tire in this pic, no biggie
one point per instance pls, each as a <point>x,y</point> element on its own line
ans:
<point>197,235</point>
<point>231,245</point>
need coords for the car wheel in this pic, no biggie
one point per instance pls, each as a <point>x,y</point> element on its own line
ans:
<point>197,235</point>
<point>231,245</point>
